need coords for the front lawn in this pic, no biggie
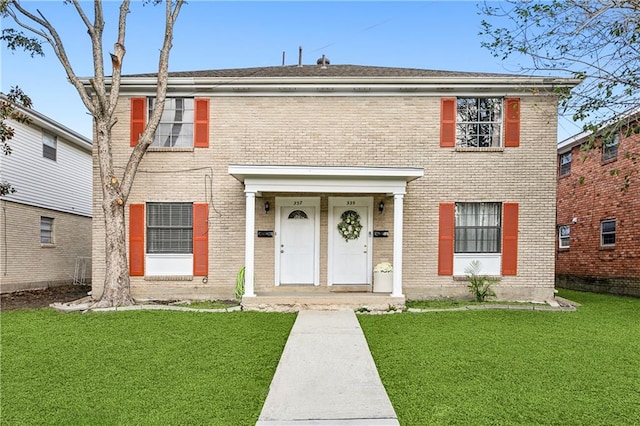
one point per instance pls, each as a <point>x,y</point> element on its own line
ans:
<point>145,367</point>
<point>512,367</point>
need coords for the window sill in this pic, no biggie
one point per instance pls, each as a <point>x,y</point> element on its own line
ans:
<point>475,149</point>
<point>566,175</point>
<point>168,278</point>
<point>169,149</point>
<point>607,248</point>
<point>562,249</point>
<point>47,245</point>
<point>609,160</point>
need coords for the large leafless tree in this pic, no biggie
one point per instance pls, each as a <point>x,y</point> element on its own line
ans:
<point>33,31</point>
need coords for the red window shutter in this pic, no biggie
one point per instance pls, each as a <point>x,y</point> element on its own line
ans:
<point>512,123</point>
<point>136,240</point>
<point>201,124</point>
<point>200,239</point>
<point>448,122</point>
<point>138,118</point>
<point>445,238</point>
<point>510,239</point>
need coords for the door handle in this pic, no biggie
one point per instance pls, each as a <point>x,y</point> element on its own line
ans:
<point>365,249</point>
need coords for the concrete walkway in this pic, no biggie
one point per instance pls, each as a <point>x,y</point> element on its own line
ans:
<point>326,376</point>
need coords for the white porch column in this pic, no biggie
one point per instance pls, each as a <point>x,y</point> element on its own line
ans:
<point>398,199</point>
<point>250,225</point>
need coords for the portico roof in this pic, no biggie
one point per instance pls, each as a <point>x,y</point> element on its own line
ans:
<point>333,179</point>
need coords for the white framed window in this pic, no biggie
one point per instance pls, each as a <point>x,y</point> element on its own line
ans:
<point>610,148</point>
<point>46,230</point>
<point>565,163</point>
<point>176,125</point>
<point>169,228</point>
<point>49,146</point>
<point>477,228</point>
<point>608,232</point>
<point>564,234</point>
<point>479,122</point>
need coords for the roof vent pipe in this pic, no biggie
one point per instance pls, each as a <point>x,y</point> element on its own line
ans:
<point>323,61</point>
<point>283,58</point>
<point>299,56</point>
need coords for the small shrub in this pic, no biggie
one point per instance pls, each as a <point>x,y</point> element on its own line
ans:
<point>479,285</point>
<point>239,290</point>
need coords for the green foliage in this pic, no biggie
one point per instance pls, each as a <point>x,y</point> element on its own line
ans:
<point>479,285</point>
<point>9,111</point>
<point>507,367</point>
<point>592,41</point>
<point>239,290</point>
<point>18,40</point>
<point>138,368</point>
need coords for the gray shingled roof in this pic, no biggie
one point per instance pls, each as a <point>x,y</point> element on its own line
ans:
<point>328,71</point>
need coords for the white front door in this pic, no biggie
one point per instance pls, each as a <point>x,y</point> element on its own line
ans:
<point>350,240</point>
<point>296,243</point>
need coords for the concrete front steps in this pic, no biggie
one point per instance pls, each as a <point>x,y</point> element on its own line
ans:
<point>334,298</point>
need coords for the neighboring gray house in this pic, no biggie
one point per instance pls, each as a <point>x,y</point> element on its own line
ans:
<point>45,236</point>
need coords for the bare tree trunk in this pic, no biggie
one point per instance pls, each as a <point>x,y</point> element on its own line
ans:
<point>116,290</point>
<point>117,285</point>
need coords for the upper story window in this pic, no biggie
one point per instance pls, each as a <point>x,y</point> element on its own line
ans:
<point>565,163</point>
<point>564,234</point>
<point>477,227</point>
<point>46,230</point>
<point>176,125</point>
<point>608,232</point>
<point>479,122</point>
<point>49,146</point>
<point>170,228</point>
<point>610,148</point>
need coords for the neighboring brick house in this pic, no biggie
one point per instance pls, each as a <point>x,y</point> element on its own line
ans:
<point>598,213</point>
<point>45,227</point>
<point>268,167</point>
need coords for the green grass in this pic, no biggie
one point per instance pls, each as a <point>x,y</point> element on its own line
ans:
<point>209,304</point>
<point>513,367</point>
<point>143,367</point>
<point>456,303</point>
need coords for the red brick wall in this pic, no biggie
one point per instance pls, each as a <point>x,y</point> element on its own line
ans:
<point>592,192</point>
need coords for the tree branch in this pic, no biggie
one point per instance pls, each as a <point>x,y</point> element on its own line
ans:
<point>171,16</point>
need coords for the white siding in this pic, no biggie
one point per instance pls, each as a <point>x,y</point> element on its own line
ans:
<point>63,185</point>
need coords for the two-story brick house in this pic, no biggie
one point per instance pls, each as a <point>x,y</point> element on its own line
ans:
<point>45,226</point>
<point>598,245</point>
<point>309,176</point>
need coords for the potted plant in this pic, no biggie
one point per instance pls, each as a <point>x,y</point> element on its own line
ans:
<point>383,278</point>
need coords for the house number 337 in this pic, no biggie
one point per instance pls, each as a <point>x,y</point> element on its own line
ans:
<point>351,203</point>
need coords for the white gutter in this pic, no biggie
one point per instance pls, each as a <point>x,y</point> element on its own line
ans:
<point>379,83</point>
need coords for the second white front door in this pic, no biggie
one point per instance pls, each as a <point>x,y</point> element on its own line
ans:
<point>350,240</point>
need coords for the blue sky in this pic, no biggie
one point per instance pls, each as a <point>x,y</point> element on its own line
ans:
<point>214,35</point>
